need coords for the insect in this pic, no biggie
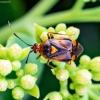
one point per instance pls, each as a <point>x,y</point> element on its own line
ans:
<point>59,49</point>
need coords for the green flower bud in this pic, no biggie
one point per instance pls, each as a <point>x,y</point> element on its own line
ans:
<point>84,60</point>
<point>72,33</point>
<point>31,69</point>
<point>80,89</point>
<point>19,72</point>
<point>25,52</point>
<point>51,29</point>
<point>43,60</point>
<point>56,63</point>
<point>96,76</point>
<point>70,67</point>
<point>5,67</point>
<point>61,36</point>
<point>64,93</point>
<point>3,84</point>
<point>76,96</point>
<point>11,84</point>
<point>44,36</point>
<point>60,27</point>
<point>28,82</point>
<point>38,31</point>
<point>3,52</point>
<point>94,64</point>
<point>14,52</point>
<point>16,65</point>
<point>18,93</point>
<point>62,74</point>
<point>53,96</point>
<point>72,86</point>
<point>83,76</point>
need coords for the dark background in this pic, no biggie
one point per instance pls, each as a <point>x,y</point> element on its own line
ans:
<point>89,34</point>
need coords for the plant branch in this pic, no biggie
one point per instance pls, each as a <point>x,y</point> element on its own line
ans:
<point>78,5</point>
<point>87,15</point>
<point>41,8</point>
<point>92,95</point>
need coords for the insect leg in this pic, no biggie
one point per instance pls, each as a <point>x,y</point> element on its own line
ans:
<point>69,62</point>
<point>40,38</point>
<point>60,33</point>
<point>28,57</point>
<point>50,35</point>
<point>38,56</point>
<point>49,64</point>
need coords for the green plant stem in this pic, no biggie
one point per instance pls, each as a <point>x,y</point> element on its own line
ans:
<point>63,85</point>
<point>85,96</point>
<point>78,5</point>
<point>88,15</point>
<point>95,87</point>
<point>92,95</point>
<point>41,8</point>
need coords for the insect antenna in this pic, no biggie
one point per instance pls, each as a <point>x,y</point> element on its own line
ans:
<point>17,35</point>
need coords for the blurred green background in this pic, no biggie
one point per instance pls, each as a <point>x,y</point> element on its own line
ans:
<point>89,36</point>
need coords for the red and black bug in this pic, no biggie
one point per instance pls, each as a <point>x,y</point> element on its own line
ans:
<point>59,49</point>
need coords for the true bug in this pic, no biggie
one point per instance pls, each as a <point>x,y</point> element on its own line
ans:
<point>59,49</point>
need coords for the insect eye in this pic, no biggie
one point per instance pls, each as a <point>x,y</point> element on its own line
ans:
<point>35,44</point>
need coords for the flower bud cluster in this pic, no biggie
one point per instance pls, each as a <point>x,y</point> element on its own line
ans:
<point>80,75</point>
<point>26,78</point>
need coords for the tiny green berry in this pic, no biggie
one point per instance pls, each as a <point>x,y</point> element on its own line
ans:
<point>16,65</point>
<point>14,52</point>
<point>96,76</point>
<point>57,63</point>
<point>94,64</point>
<point>28,82</point>
<point>72,86</point>
<point>53,96</point>
<point>72,33</point>
<point>3,84</point>
<point>80,89</point>
<point>19,72</point>
<point>18,93</point>
<point>70,67</point>
<point>25,52</point>
<point>60,27</point>
<point>84,59</point>
<point>3,52</point>
<point>11,84</point>
<point>83,76</point>
<point>43,60</point>
<point>5,67</point>
<point>62,74</point>
<point>31,69</point>
<point>44,36</point>
<point>51,29</point>
<point>61,36</point>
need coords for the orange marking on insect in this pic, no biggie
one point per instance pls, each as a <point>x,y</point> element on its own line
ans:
<point>73,57</point>
<point>53,50</point>
<point>74,43</point>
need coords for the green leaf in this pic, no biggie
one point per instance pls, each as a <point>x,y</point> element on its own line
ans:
<point>38,31</point>
<point>34,91</point>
